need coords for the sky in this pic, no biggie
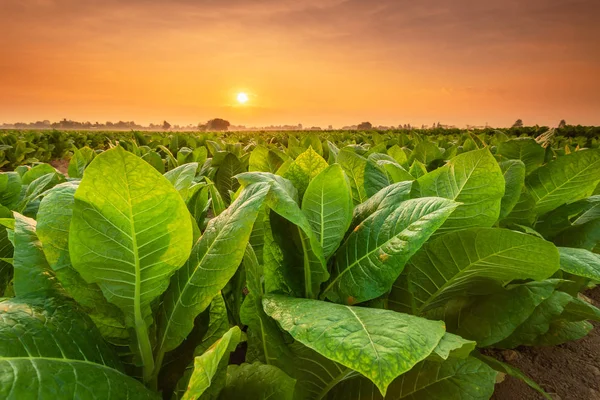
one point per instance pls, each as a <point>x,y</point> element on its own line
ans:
<point>315,62</point>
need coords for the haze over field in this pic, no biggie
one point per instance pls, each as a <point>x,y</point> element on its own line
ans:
<point>315,62</point>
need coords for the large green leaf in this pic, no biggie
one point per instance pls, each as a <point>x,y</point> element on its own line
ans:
<point>206,365</point>
<point>182,178</point>
<point>380,344</point>
<point>514,178</point>
<point>225,181</point>
<point>213,262</point>
<point>567,179</point>
<point>53,221</point>
<point>387,198</point>
<point>527,150</point>
<point>538,322</point>
<point>308,274</point>
<point>491,318</point>
<point>452,379</point>
<point>265,160</point>
<point>306,166</point>
<point>31,270</point>
<point>425,152</point>
<point>80,160</point>
<point>205,334</point>
<point>375,253</point>
<point>10,189</point>
<point>580,262</point>
<point>257,382</point>
<point>130,231</point>
<point>48,350</point>
<point>473,179</point>
<point>465,262</point>
<point>37,172</point>
<point>327,205</point>
<point>572,215</point>
<point>366,177</point>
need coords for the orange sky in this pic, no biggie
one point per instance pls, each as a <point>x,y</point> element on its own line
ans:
<point>315,62</point>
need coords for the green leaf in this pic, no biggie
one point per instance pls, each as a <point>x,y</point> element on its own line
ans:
<point>452,379</point>
<point>425,152</point>
<point>523,211</point>
<point>213,262</point>
<point>306,166</point>
<point>580,309</point>
<point>374,255</point>
<point>468,261</point>
<point>492,318</point>
<point>399,155</point>
<point>81,158</point>
<point>580,262</point>
<point>538,323</point>
<point>217,203</point>
<point>154,159</point>
<point>387,198</point>
<point>452,346</point>
<point>383,344</point>
<point>48,350</point>
<point>182,178</point>
<point>54,219</point>
<point>568,216</point>
<point>563,331</point>
<point>218,325</point>
<point>327,205</point>
<point>417,169</point>
<point>11,191</point>
<point>514,178</point>
<point>524,149</point>
<point>257,382</point>
<point>311,272</point>
<point>366,177</point>
<point>224,181</point>
<point>514,372</point>
<point>36,172</point>
<point>567,179</point>
<point>130,231</point>
<point>265,160</point>
<point>473,179</point>
<point>206,365</point>
<point>31,270</point>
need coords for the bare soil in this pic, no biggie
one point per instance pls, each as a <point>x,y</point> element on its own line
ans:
<point>61,165</point>
<point>570,371</point>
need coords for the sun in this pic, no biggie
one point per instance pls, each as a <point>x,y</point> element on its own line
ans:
<point>242,98</point>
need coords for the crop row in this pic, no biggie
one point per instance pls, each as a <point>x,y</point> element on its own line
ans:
<point>294,267</point>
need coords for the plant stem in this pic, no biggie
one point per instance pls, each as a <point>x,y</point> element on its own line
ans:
<point>144,346</point>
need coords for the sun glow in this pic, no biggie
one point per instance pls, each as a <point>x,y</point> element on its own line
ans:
<point>242,98</point>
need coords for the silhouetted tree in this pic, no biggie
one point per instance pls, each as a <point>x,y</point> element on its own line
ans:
<point>166,126</point>
<point>518,123</point>
<point>217,124</point>
<point>562,123</point>
<point>364,126</point>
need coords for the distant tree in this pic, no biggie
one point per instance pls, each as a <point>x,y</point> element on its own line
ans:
<point>166,126</point>
<point>518,123</point>
<point>562,123</point>
<point>364,126</point>
<point>217,124</point>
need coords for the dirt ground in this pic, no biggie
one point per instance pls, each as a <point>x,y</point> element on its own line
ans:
<point>570,371</point>
<point>61,165</point>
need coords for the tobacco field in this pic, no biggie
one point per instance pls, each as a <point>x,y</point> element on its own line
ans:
<point>291,265</point>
